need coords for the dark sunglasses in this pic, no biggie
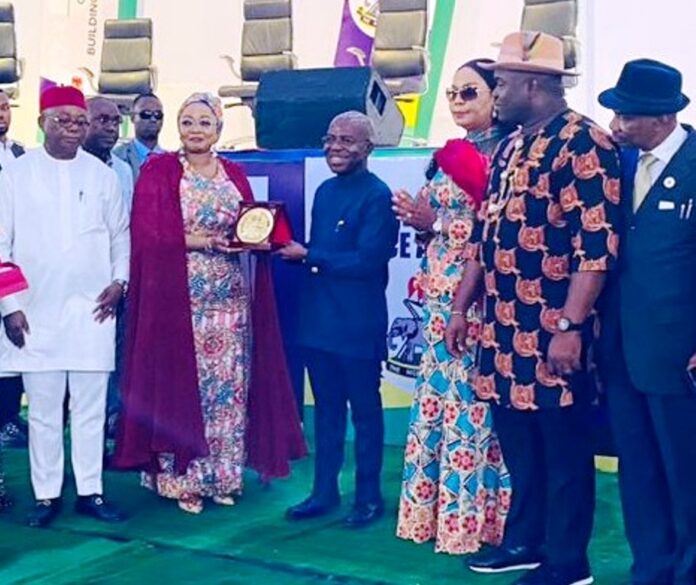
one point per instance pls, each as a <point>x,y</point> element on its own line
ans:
<point>151,115</point>
<point>466,94</point>
<point>105,119</point>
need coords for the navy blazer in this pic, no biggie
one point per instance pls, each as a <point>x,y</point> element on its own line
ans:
<point>353,235</point>
<point>649,307</point>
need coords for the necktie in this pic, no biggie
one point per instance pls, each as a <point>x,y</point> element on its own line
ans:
<point>643,181</point>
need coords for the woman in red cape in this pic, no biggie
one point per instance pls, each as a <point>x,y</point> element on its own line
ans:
<point>206,388</point>
<point>456,488</point>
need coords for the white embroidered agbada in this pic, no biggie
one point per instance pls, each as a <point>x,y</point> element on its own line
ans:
<point>64,222</point>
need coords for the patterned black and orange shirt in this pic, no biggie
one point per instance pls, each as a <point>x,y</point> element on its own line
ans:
<point>552,208</point>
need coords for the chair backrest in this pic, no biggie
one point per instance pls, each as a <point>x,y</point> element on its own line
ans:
<point>554,17</point>
<point>126,57</point>
<point>400,37</point>
<point>266,38</point>
<point>9,69</point>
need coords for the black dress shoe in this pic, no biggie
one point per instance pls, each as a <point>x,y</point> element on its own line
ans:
<point>97,507</point>
<point>577,574</point>
<point>502,560</point>
<point>311,508</point>
<point>44,512</point>
<point>364,514</point>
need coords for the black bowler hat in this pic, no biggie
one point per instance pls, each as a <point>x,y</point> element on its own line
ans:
<point>646,87</point>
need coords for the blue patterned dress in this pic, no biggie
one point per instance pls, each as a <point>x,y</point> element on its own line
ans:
<point>456,489</point>
<point>220,306</point>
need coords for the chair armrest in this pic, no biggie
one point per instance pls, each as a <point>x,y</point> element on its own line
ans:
<point>20,68</point>
<point>414,141</point>
<point>154,77</point>
<point>359,54</point>
<point>90,78</point>
<point>230,62</point>
<point>293,57</point>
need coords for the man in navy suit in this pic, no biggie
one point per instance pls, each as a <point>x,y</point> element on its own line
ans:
<point>649,326</point>
<point>344,317</point>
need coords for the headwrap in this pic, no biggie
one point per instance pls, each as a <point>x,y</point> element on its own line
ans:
<point>162,410</point>
<point>487,75</point>
<point>62,95</point>
<point>210,100</point>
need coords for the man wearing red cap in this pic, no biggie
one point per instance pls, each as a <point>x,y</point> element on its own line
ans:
<point>63,219</point>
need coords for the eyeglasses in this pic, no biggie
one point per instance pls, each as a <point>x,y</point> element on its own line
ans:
<point>66,121</point>
<point>151,115</point>
<point>105,119</point>
<point>346,141</point>
<point>466,94</point>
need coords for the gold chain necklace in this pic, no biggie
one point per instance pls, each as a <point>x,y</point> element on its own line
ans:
<point>507,180</point>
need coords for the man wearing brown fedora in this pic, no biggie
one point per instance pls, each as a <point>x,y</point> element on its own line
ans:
<point>546,240</point>
<point>649,324</point>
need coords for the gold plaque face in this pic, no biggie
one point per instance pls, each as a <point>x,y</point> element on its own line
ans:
<point>255,225</point>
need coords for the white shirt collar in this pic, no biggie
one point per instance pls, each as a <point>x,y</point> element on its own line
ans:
<point>670,145</point>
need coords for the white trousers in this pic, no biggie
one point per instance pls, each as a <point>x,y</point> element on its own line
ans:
<point>46,394</point>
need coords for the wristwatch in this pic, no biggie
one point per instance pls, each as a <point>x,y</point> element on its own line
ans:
<point>123,284</point>
<point>565,324</point>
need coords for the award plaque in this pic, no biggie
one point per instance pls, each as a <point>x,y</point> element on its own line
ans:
<point>261,226</point>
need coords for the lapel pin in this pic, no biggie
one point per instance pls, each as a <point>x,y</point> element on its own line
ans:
<point>669,182</point>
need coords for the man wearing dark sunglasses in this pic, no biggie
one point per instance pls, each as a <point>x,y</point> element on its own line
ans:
<point>147,117</point>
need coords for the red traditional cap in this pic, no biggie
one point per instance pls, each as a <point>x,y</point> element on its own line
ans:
<point>62,95</point>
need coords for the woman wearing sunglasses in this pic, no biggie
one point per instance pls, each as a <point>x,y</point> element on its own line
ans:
<point>455,488</point>
<point>200,400</point>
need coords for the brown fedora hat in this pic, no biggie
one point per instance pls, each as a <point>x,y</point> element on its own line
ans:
<point>531,52</point>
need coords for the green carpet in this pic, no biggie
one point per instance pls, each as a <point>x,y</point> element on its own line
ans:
<point>249,543</point>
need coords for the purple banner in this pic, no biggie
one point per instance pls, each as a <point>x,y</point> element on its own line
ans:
<point>357,33</point>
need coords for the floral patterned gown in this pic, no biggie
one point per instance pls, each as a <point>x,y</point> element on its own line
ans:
<point>220,306</point>
<point>456,489</point>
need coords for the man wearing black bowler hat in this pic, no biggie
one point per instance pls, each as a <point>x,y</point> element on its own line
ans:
<point>649,328</point>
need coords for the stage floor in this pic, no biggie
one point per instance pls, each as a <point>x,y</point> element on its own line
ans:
<point>249,543</point>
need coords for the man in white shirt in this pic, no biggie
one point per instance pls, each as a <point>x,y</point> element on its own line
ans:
<point>9,150</point>
<point>648,346</point>
<point>13,429</point>
<point>102,134</point>
<point>63,219</point>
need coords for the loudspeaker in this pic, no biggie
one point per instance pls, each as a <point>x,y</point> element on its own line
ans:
<point>294,108</point>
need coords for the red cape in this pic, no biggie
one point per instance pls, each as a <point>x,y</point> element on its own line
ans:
<point>468,167</point>
<point>161,404</point>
